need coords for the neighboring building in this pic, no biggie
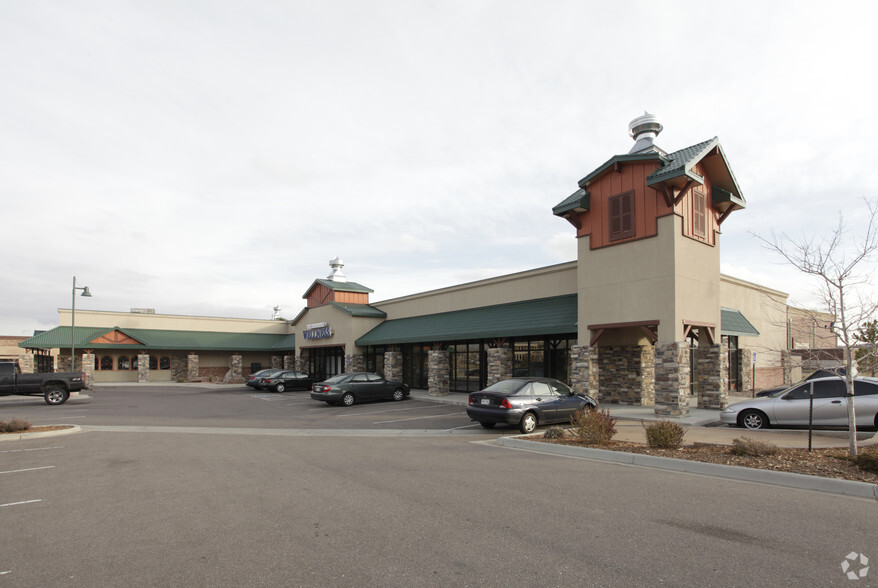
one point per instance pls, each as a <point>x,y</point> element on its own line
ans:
<point>642,316</point>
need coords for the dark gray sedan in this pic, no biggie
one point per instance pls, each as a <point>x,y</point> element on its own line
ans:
<point>348,389</point>
<point>526,403</point>
<point>791,407</point>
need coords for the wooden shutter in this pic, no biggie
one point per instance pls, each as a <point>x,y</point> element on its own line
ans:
<point>621,216</point>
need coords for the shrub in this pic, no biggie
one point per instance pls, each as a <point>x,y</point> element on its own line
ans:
<point>752,447</point>
<point>664,435</point>
<point>593,427</point>
<point>14,426</point>
<point>868,462</point>
<point>554,433</point>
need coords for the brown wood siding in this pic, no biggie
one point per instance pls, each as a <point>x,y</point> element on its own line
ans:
<point>352,297</point>
<point>321,295</point>
<point>685,209</point>
<point>648,204</point>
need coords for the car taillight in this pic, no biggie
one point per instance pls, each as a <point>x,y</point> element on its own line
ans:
<point>470,398</point>
<point>327,388</point>
<point>505,404</point>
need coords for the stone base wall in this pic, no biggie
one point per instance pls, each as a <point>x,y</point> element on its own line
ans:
<point>301,363</point>
<point>499,364</point>
<point>627,374</point>
<point>712,376</point>
<point>354,363</point>
<point>277,362</point>
<point>745,364</point>
<point>393,365</point>
<point>143,368</point>
<point>289,362</point>
<point>438,372</point>
<point>26,363</point>
<point>672,372</point>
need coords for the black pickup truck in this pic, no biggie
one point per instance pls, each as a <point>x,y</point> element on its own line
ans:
<point>54,387</point>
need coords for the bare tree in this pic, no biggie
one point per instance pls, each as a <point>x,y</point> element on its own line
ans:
<point>840,264</point>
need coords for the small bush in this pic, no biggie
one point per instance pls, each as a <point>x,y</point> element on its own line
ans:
<point>868,462</point>
<point>593,427</point>
<point>664,435</point>
<point>14,426</point>
<point>554,433</point>
<point>752,447</point>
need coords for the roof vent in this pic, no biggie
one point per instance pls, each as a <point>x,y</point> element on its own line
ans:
<point>644,129</point>
<point>336,275</point>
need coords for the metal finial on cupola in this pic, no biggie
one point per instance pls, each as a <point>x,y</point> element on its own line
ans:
<point>336,275</point>
<point>644,129</point>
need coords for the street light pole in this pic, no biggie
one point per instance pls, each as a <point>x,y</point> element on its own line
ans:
<point>85,292</point>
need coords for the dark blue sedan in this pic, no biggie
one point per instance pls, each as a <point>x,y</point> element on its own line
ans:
<point>526,403</point>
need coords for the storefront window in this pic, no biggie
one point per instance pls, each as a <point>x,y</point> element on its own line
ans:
<point>124,363</point>
<point>106,363</point>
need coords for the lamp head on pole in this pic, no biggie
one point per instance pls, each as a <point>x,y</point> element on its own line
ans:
<point>85,292</point>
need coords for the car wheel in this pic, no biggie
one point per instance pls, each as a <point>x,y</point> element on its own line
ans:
<point>348,399</point>
<point>56,395</point>
<point>398,394</point>
<point>528,423</point>
<point>488,425</point>
<point>280,388</point>
<point>753,419</point>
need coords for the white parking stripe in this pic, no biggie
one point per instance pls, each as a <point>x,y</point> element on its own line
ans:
<point>417,418</point>
<point>31,449</point>
<point>27,470</point>
<point>351,414</point>
<point>22,502</point>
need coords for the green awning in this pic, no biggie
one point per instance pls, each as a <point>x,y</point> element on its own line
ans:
<point>545,316</point>
<point>735,324</point>
<point>60,337</point>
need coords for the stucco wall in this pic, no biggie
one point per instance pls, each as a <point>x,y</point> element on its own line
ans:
<point>131,320</point>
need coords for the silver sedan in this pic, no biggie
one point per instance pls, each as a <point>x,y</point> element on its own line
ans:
<point>791,407</point>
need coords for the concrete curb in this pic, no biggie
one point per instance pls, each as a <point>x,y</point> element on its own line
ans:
<point>18,436</point>
<point>787,479</point>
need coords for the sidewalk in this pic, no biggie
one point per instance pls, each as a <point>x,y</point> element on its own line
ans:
<point>703,425</point>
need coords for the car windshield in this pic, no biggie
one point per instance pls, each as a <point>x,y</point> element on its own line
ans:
<point>506,387</point>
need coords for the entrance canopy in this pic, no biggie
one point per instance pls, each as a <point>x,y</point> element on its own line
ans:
<point>544,316</point>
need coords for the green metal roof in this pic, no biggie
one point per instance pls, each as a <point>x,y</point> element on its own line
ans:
<point>338,286</point>
<point>545,316</point>
<point>359,309</point>
<point>60,337</point>
<point>579,200</point>
<point>735,324</point>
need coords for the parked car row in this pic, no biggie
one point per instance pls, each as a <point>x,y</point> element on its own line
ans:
<point>792,406</point>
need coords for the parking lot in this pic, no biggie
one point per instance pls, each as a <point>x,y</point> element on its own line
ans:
<point>240,407</point>
<point>228,487</point>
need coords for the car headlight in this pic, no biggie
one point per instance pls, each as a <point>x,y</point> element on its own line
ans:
<point>730,409</point>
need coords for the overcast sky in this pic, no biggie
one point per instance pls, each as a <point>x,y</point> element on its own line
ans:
<point>211,157</point>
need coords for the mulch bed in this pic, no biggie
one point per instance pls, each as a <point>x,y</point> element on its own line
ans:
<point>826,463</point>
<point>40,429</point>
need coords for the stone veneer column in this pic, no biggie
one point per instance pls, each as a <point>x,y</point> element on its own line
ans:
<point>192,367</point>
<point>290,362</point>
<point>354,363</point>
<point>786,360</point>
<point>438,372</point>
<point>393,365</point>
<point>143,368</point>
<point>712,376</point>
<point>235,375</point>
<point>499,364</point>
<point>88,368</point>
<point>745,364</point>
<point>581,367</point>
<point>672,379</point>
<point>26,363</point>
<point>277,362</point>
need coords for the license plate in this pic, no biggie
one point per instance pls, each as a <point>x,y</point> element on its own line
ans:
<point>486,401</point>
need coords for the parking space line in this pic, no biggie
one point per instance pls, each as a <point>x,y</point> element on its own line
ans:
<point>434,416</point>
<point>32,449</point>
<point>352,414</point>
<point>27,470</point>
<point>22,502</point>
